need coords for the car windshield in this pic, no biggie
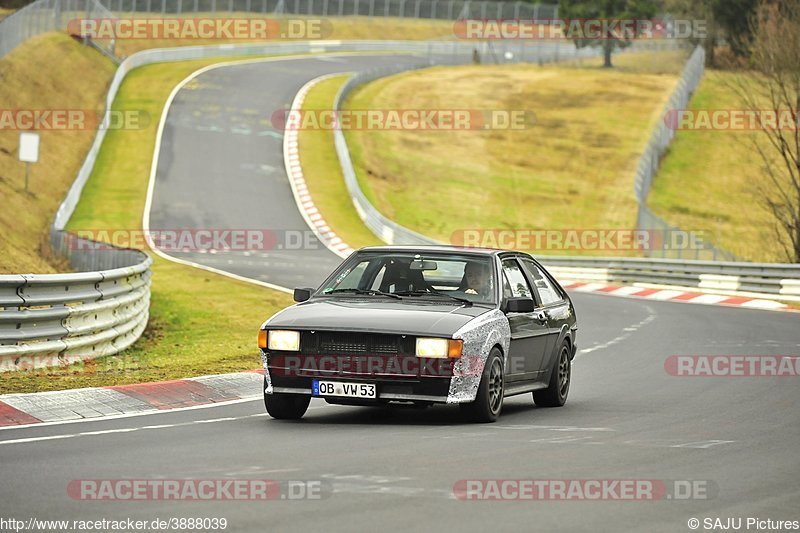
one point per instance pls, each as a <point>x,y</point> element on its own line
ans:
<point>412,275</point>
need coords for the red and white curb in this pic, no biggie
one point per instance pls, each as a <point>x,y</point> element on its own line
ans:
<point>302,197</point>
<point>673,295</point>
<point>128,400</point>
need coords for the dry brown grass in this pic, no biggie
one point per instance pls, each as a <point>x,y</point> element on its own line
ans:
<point>338,28</point>
<point>46,72</point>
<point>573,169</point>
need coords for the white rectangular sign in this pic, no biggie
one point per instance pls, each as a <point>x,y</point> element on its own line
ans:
<point>29,147</point>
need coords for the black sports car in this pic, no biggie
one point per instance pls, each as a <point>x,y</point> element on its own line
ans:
<point>423,325</point>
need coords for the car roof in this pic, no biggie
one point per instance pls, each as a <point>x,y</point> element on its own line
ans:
<point>436,248</point>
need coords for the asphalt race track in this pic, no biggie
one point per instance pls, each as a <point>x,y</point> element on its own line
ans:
<point>626,417</point>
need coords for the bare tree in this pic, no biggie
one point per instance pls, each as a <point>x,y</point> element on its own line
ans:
<point>772,92</point>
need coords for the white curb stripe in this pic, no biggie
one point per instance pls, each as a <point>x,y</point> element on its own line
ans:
<point>300,192</point>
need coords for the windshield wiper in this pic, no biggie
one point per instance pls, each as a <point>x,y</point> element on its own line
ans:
<point>436,293</point>
<point>365,291</point>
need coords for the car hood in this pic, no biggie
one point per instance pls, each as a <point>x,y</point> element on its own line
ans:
<point>356,314</point>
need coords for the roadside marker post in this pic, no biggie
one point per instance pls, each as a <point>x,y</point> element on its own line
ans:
<point>28,151</point>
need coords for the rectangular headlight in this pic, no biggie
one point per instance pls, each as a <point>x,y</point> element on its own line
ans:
<point>439,348</point>
<point>283,340</point>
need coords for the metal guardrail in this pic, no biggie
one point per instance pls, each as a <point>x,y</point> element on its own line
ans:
<point>51,319</point>
<point>781,281</point>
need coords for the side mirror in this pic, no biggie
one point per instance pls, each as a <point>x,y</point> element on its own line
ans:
<point>519,305</point>
<point>301,295</point>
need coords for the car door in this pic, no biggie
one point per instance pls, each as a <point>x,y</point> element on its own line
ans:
<point>528,333</point>
<point>553,305</point>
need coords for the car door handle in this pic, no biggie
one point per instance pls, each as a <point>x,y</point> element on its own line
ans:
<point>541,316</point>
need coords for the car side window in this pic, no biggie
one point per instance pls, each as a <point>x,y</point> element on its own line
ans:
<point>548,293</point>
<point>516,279</point>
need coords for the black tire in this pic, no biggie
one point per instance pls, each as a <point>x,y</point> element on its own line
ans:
<point>287,406</point>
<point>489,401</point>
<point>555,395</point>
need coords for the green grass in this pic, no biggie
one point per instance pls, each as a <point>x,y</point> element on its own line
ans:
<point>200,323</point>
<point>573,169</point>
<point>708,181</point>
<point>323,174</point>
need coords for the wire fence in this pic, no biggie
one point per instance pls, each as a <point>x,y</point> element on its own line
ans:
<point>650,160</point>
<point>49,15</point>
<point>45,16</point>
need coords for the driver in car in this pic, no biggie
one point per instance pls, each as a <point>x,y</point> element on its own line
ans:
<point>477,279</point>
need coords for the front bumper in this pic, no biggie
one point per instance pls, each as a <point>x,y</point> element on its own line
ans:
<point>421,390</point>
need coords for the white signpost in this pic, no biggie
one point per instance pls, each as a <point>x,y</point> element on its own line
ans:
<point>28,151</point>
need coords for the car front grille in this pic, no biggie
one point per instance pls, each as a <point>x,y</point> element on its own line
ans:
<point>340,343</point>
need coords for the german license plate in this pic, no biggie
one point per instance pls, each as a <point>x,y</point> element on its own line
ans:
<point>342,388</point>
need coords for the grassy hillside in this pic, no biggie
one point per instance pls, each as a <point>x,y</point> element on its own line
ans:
<point>200,322</point>
<point>572,169</point>
<point>708,181</point>
<point>25,217</point>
